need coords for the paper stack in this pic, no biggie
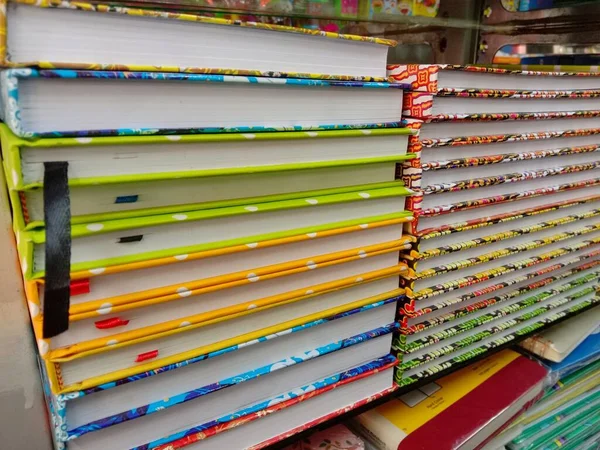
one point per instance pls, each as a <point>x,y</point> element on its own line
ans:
<point>207,218</point>
<point>508,220</point>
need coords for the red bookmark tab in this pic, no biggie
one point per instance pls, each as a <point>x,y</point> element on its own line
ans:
<point>110,323</point>
<point>79,287</point>
<point>146,356</point>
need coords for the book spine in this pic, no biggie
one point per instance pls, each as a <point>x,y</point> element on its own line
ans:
<point>420,77</point>
<point>418,105</point>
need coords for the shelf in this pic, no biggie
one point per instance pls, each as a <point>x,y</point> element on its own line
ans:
<point>405,389</point>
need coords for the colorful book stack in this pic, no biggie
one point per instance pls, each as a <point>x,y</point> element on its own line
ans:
<point>508,216</point>
<point>567,415</point>
<point>203,246</point>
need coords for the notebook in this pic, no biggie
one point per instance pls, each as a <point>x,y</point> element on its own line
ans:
<point>81,366</point>
<point>126,399</point>
<point>80,103</point>
<point>459,411</point>
<point>120,177</point>
<point>161,315</point>
<point>87,36</point>
<point>446,322</point>
<point>454,130</point>
<point>427,345</point>
<point>207,409</point>
<point>432,78</point>
<point>271,425</point>
<point>462,102</point>
<point>557,343</point>
<point>484,342</point>
<point>106,243</point>
<point>586,353</point>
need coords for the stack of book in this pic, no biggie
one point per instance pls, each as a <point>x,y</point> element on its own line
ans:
<point>464,410</point>
<point>567,415</point>
<point>207,218</point>
<point>508,216</point>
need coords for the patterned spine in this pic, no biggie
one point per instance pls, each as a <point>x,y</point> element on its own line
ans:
<point>498,199</point>
<point>461,358</point>
<point>420,77</point>
<point>174,400</point>
<point>181,443</point>
<point>406,329</point>
<point>417,105</point>
<point>463,327</point>
<point>350,375</point>
<point>476,278</point>
<point>512,321</point>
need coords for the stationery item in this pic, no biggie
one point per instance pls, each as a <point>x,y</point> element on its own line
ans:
<point>557,343</point>
<point>102,37</point>
<point>548,427</point>
<point>450,269</point>
<point>564,393</point>
<point>107,243</point>
<point>460,410</point>
<point>417,315</point>
<point>201,171</point>
<point>337,437</point>
<point>432,328</point>
<point>208,405</point>
<point>406,375</point>
<point>586,353</point>
<point>469,214</point>
<point>112,303</point>
<point>294,415</point>
<point>78,103</point>
<point>433,78</point>
<point>430,346</point>
<point>81,367</point>
<point>154,317</point>
<point>96,407</point>
<point>455,129</point>
<point>474,102</point>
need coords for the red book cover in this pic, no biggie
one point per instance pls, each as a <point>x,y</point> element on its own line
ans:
<point>461,410</point>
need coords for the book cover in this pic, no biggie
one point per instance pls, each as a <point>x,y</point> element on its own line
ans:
<point>61,402</point>
<point>424,77</point>
<point>111,325</point>
<point>337,437</point>
<point>198,20</point>
<point>27,240</point>
<point>556,344</point>
<point>572,308</point>
<point>585,353</point>
<point>12,114</point>
<point>132,182</point>
<point>448,413</point>
<point>154,360</point>
<point>301,399</point>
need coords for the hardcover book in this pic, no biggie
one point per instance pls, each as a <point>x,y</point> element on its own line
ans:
<point>433,78</point>
<point>121,177</point>
<point>82,103</point>
<point>461,410</point>
<point>102,37</point>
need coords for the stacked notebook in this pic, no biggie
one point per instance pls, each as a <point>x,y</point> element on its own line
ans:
<point>508,211</point>
<point>463,410</point>
<point>209,228</point>
<point>567,416</point>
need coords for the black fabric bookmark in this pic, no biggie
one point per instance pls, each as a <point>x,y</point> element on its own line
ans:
<point>57,216</point>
